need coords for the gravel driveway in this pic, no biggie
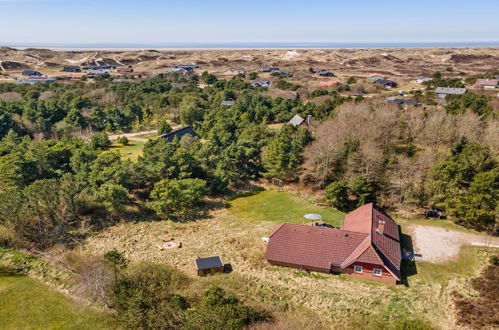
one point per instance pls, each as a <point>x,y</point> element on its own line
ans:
<point>437,244</point>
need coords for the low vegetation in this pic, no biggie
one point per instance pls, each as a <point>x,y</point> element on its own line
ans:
<point>482,311</point>
<point>29,304</point>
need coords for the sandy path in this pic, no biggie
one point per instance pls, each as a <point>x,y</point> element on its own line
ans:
<point>134,136</point>
<point>437,244</point>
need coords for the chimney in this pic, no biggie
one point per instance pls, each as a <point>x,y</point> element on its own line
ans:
<point>381,227</point>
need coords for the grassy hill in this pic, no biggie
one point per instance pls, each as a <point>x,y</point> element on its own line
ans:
<point>26,303</point>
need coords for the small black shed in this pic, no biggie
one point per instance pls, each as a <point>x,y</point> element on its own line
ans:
<point>209,265</point>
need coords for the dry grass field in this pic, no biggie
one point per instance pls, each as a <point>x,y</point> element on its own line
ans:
<point>299,299</point>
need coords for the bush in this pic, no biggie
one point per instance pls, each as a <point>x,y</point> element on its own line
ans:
<point>176,198</point>
<point>123,140</point>
<point>145,297</point>
<point>337,195</point>
<point>216,311</point>
<point>100,141</point>
<point>113,196</point>
<point>164,127</point>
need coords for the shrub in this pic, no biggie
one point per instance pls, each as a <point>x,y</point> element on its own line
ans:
<point>145,297</point>
<point>337,195</point>
<point>176,198</point>
<point>100,141</point>
<point>123,140</point>
<point>216,311</point>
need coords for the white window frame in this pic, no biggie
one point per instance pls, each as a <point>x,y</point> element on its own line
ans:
<point>380,271</point>
<point>356,269</point>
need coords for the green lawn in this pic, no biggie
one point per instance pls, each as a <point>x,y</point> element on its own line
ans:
<point>131,151</point>
<point>26,303</point>
<point>279,206</point>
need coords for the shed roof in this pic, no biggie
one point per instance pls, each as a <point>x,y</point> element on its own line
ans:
<point>208,263</point>
<point>450,90</point>
<point>487,82</point>
<point>297,120</point>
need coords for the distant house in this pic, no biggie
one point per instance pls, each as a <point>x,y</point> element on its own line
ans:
<point>179,134</point>
<point>421,80</point>
<point>282,73</point>
<point>35,79</point>
<point>386,83</point>
<point>189,67</point>
<point>228,103</point>
<point>71,69</point>
<point>211,265</point>
<point>367,246</point>
<point>94,73</point>
<point>124,70</point>
<point>99,67</point>
<point>395,100</point>
<point>487,83</point>
<point>297,120</point>
<point>261,83</point>
<point>442,92</point>
<point>120,80</point>
<point>235,70</point>
<point>76,76</point>
<point>323,72</point>
<point>411,103</point>
<point>178,84</point>
<point>181,71</point>
<point>31,73</point>
<point>271,69</point>
<point>375,76</point>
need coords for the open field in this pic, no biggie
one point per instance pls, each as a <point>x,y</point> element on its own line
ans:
<point>301,299</point>
<point>26,303</point>
<point>131,151</point>
<point>279,206</point>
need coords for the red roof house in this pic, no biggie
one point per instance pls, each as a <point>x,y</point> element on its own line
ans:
<point>367,246</point>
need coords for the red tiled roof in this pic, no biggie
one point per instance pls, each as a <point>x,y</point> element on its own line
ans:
<point>360,239</point>
<point>311,246</point>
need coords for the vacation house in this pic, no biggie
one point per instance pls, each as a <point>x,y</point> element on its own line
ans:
<point>367,246</point>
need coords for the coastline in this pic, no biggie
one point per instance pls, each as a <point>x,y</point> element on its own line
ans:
<point>249,46</point>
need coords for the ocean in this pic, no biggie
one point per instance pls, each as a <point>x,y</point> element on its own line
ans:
<point>256,45</point>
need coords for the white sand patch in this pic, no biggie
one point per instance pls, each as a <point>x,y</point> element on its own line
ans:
<point>291,54</point>
<point>76,61</point>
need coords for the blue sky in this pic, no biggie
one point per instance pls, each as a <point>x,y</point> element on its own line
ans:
<point>223,21</point>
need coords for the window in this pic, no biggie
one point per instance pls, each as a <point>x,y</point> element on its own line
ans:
<point>377,271</point>
<point>357,269</point>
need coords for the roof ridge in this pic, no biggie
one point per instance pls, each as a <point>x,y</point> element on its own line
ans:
<point>368,236</point>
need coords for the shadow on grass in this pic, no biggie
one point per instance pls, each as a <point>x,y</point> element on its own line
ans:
<point>4,271</point>
<point>228,268</point>
<point>244,190</point>
<point>408,265</point>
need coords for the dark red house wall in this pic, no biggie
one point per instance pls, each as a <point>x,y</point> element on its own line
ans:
<point>367,273</point>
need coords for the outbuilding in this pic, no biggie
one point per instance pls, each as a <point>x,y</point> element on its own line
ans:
<point>211,265</point>
<point>442,92</point>
<point>31,73</point>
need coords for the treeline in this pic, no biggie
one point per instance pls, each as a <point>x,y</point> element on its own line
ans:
<point>423,158</point>
<point>62,109</point>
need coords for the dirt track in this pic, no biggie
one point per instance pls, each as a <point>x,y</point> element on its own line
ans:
<point>437,244</point>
